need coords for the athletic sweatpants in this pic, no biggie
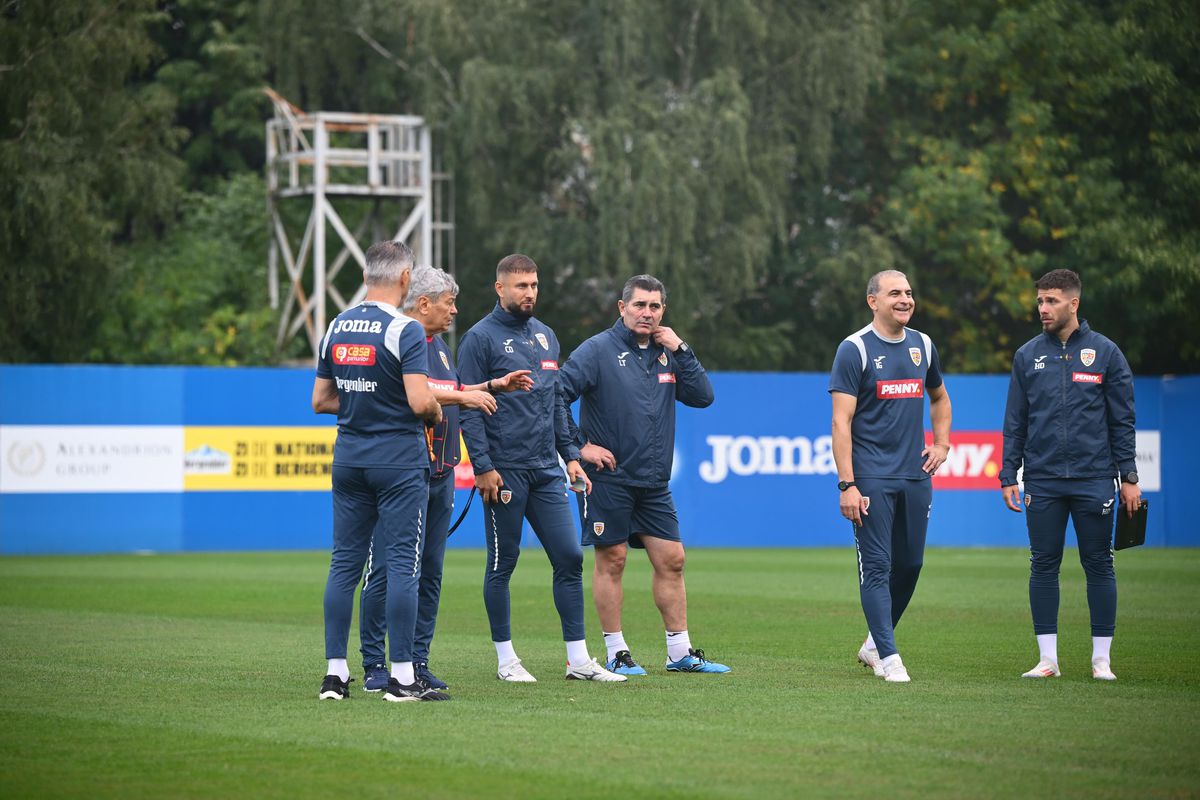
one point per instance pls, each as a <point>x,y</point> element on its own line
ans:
<point>388,505</point>
<point>539,495</point>
<point>371,615</point>
<point>1092,505</point>
<point>891,550</point>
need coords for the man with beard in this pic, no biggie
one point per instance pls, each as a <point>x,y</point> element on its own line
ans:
<point>514,453</point>
<point>1069,422</point>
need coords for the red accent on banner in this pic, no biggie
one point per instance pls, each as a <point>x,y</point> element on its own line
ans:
<point>974,461</point>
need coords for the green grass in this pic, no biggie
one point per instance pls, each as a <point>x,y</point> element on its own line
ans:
<point>196,676</point>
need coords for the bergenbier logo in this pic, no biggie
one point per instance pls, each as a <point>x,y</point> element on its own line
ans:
<point>1087,356</point>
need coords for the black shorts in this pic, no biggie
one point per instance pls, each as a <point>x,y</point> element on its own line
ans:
<point>614,513</point>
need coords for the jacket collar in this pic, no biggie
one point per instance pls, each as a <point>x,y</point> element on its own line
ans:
<point>622,332</point>
<point>1083,329</point>
<point>508,319</point>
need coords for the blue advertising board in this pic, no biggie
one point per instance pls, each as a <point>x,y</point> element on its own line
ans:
<point>119,459</point>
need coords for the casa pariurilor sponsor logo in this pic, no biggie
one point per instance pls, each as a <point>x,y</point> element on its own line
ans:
<point>207,460</point>
<point>361,355</point>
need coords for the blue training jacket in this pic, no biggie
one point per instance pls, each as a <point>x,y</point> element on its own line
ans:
<point>628,403</point>
<point>529,429</point>
<point>1070,409</point>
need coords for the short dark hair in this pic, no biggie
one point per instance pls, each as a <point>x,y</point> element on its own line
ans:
<point>515,263</point>
<point>647,283</point>
<point>1063,279</point>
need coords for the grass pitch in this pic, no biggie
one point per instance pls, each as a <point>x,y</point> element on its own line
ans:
<point>197,675</point>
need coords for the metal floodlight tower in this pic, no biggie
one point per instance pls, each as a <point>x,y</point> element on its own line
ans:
<point>386,159</point>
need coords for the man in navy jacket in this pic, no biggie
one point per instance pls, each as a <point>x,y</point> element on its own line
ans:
<point>1069,422</point>
<point>514,453</point>
<point>629,378</point>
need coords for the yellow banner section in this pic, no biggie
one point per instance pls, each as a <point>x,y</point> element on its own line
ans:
<point>258,458</point>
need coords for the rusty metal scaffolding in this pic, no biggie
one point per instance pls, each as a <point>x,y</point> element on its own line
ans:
<point>327,156</point>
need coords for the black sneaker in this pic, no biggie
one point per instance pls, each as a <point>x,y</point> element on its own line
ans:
<point>334,688</point>
<point>375,678</point>
<point>417,690</point>
<point>421,668</point>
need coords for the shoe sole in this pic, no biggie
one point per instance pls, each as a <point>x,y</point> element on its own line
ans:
<point>530,679</point>
<point>897,680</point>
<point>598,679</point>
<point>1038,675</point>
<point>393,699</point>
<point>331,696</point>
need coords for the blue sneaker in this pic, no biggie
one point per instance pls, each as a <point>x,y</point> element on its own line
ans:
<point>623,664</point>
<point>421,669</point>
<point>695,661</point>
<point>375,678</point>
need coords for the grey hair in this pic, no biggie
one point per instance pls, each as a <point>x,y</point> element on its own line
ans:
<point>647,283</point>
<point>429,282</point>
<point>873,283</point>
<point>386,263</point>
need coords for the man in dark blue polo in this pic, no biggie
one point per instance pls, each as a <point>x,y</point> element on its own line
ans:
<point>1070,423</point>
<point>629,378</point>
<point>431,302</point>
<point>515,453</point>
<point>371,372</point>
<point>880,378</point>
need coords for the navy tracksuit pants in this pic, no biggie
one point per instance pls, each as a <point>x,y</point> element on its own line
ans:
<point>1092,506</point>
<point>891,550</point>
<point>539,495</point>
<point>385,505</point>
<point>371,614</point>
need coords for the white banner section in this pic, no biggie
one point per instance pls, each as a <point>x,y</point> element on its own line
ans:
<point>1149,460</point>
<point>84,459</point>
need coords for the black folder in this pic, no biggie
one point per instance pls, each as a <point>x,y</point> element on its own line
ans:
<point>1131,531</point>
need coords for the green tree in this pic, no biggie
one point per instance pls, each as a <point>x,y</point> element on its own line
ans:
<point>197,295</point>
<point>86,156</point>
<point>1023,136</point>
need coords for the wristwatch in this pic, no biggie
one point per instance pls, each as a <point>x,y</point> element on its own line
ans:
<point>683,347</point>
<point>844,485</point>
<point>1130,477</point>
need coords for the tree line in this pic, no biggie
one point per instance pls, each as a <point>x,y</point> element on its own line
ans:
<point>762,157</point>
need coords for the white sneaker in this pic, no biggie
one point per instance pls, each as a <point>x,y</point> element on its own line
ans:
<point>894,671</point>
<point>1044,669</point>
<point>869,657</point>
<point>1102,670</point>
<point>513,672</point>
<point>592,671</point>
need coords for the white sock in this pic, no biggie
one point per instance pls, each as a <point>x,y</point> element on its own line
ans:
<point>338,666</point>
<point>403,672</point>
<point>894,658</point>
<point>615,643</point>
<point>1048,647</point>
<point>1102,647</point>
<point>505,652</point>
<point>870,642</point>
<point>679,644</point>
<point>577,654</point>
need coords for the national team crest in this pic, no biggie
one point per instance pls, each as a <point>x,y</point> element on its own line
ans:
<point>915,352</point>
<point>866,503</point>
<point>505,496</point>
<point>662,359</point>
<point>598,528</point>
<point>1086,356</point>
<point>541,337</point>
<point>445,361</point>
